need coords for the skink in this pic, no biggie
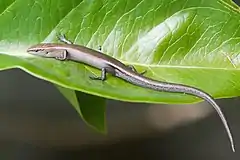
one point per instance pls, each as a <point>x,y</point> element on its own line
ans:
<point>107,64</point>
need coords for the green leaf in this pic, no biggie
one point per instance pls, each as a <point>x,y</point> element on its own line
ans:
<point>189,42</point>
<point>91,108</point>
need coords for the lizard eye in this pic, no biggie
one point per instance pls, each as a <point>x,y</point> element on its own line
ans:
<point>38,50</point>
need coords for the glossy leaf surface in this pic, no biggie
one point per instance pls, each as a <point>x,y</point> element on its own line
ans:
<point>189,42</point>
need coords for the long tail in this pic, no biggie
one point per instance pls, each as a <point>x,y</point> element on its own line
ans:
<point>176,88</point>
<point>211,101</point>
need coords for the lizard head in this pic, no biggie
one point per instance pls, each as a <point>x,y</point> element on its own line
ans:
<point>44,50</point>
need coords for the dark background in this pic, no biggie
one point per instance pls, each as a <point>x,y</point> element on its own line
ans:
<point>37,122</point>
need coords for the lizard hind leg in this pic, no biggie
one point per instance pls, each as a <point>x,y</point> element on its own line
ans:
<point>134,69</point>
<point>102,77</point>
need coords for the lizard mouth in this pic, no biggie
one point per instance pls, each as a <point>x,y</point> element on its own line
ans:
<point>34,51</point>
